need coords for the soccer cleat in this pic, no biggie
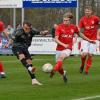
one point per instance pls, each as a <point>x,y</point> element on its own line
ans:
<point>81,69</point>
<point>65,76</point>
<point>35,82</point>
<point>2,76</point>
<point>52,73</point>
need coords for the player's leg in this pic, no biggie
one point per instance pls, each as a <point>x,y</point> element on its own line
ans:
<point>60,56</point>
<point>29,61</point>
<point>84,50</point>
<point>30,68</point>
<point>2,73</point>
<point>23,60</point>
<point>18,51</point>
<point>58,66</point>
<point>63,72</point>
<point>92,50</point>
<point>83,59</point>
<point>33,77</point>
<point>88,63</point>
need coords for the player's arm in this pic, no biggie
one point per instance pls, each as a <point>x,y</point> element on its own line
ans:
<point>5,34</point>
<point>45,32</point>
<point>85,38</point>
<point>98,34</point>
<point>16,34</point>
<point>59,42</point>
<point>80,30</point>
<point>36,32</point>
<point>9,43</point>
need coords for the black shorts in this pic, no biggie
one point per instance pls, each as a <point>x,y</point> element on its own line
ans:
<point>21,50</point>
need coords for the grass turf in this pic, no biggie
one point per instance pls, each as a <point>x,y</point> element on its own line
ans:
<point>17,85</point>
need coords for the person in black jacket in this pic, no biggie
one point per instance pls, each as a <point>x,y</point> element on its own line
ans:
<point>20,41</point>
<point>53,30</point>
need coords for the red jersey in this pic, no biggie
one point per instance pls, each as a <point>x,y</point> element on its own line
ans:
<point>65,34</point>
<point>90,26</point>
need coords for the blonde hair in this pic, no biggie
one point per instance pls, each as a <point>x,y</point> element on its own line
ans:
<point>68,15</point>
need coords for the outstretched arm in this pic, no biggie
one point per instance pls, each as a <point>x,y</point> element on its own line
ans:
<point>85,38</point>
<point>45,32</point>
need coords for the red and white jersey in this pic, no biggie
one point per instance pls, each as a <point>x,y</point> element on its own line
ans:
<point>66,34</point>
<point>90,26</point>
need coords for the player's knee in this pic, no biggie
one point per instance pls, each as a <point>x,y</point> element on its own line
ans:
<point>90,55</point>
<point>84,54</point>
<point>21,56</point>
<point>61,58</point>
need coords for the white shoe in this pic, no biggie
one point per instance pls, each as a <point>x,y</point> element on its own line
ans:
<point>35,82</point>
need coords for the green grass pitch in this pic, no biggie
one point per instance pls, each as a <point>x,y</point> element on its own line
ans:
<point>17,85</point>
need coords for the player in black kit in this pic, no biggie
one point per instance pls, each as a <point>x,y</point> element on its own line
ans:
<point>21,40</point>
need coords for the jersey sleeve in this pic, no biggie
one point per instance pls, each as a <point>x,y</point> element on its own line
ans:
<point>76,29</point>
<point>81,25</point>
<point>35,31</point>
<point>97,19</point>
<point>16,34</point>
<point>58,31</point>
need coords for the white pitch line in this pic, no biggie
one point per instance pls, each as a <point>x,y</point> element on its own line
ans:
<point>88,98</point>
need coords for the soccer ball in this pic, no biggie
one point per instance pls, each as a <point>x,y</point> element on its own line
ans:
<point>47,67</point>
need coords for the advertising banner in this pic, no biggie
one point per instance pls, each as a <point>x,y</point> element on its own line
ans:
<point>11,4</point>
<point>37,3</point>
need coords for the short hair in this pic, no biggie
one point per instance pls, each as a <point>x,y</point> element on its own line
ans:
<point>68,15</point>
<point>89,8</point>
<point>27,23</point>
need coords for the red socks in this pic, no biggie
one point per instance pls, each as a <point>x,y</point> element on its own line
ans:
<point>58,66</point>
<point>1,67</point>
<point>83,59</point>
<point>88,64</point>
<point>61,71</point>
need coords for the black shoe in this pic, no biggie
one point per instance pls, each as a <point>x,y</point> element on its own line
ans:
<point>2,76</point>
<point>65,77</point>
<point>81,69</point>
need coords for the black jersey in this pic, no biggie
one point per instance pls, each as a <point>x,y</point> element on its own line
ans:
<point>53,32</point>
<point>22,39</point>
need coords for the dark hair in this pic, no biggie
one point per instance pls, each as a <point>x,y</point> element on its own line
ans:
<point>68,14</point>
<point>27,23</point>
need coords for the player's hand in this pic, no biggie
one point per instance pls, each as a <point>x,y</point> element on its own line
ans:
<point>45,32</point>
<point>6,46</point>
<point>66,45</point>
<point>98,38</point>
<point>93,41</point>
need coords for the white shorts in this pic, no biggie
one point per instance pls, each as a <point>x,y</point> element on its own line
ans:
<point>67,53</point>
<point>87,47</point>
